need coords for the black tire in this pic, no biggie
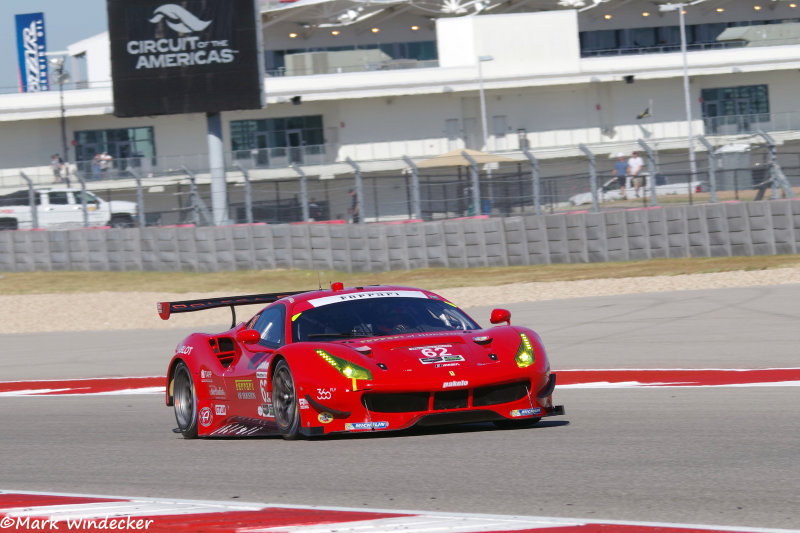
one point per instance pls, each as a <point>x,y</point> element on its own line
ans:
<point>8,224</point>
<point>516,424</point>
<point>284,401</point>
<point>184,400</point>
<point>121,221</point>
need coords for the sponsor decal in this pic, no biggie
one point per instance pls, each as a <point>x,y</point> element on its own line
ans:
<point>453,374</point>
<point>325,418</point>
<point>450,384</point>
<point>325,394</point>
<point>244,385</point>
<point>445,365</point>
<point>326,300</point>
<point>184,350</point>
<point>262,375</point>
<point>441,359</point>
<point>220,410</point>
<point>526,412</point>
<point>205,374</point>
<point>246,395</point>
<point>303,403</point>
<point>236,429</point>
<point>216,391</point>
<point>262,386</point>
<point>206,417</point>
<point>353,426</point>
<point>266,411</point>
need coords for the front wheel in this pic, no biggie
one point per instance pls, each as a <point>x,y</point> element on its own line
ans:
<point>284,398</point>
<point>184,399</point>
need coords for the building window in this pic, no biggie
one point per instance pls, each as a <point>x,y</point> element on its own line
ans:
<point>735,109</point>
<point>277,141</point>
<point>128,146</point>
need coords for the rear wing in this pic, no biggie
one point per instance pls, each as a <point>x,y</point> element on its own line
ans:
<point>166,309</point>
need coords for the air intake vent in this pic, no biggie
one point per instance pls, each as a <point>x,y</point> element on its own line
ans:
<point>497,394</point>
<point>225,350</point>
<point>408,402</point>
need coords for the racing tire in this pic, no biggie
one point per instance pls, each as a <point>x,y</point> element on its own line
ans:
<point>284,399</point>
<point>184,400</point>
<point>516,424</point>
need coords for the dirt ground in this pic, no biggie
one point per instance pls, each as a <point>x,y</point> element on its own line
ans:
<point>137,310</point>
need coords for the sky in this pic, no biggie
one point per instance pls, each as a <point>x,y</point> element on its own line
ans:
<point>65,22</point>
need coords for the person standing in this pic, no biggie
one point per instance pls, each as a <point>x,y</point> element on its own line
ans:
<point>621,172</point>
<point>58,164</point>
<point>354,207</point>
<point>635,165</point>
<point>105,163</point>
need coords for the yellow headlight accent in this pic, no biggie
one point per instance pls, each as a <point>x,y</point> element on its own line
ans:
<point>525,356</point>
<point>345,368</point>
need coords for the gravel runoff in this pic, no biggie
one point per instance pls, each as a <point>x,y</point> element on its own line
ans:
<point>105,311</point>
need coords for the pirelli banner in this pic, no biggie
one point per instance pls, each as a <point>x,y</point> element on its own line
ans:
<point>193,56</point>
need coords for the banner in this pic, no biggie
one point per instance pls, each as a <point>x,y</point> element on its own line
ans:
<point>31,47</point>
<point>198,56</point>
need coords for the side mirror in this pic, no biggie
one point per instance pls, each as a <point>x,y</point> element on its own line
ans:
<point>248,336</point>
<point>500,315</point>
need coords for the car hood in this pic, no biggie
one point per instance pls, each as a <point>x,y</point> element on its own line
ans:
<point>442,360</point>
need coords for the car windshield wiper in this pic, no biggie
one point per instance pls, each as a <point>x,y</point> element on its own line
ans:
<point>343,335</point>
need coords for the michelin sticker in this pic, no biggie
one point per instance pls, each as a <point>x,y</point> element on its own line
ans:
<point>526,412</point>
<point>354,426</point>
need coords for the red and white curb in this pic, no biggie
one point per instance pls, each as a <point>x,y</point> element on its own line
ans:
<point>37,511</point>
<point>612,378</point>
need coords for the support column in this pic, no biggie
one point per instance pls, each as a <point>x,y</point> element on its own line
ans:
<point>216,163</point>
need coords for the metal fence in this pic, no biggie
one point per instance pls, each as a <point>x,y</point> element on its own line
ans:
<point>181,194</point>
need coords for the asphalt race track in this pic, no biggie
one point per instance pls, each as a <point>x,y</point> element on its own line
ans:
<point>700,455</point>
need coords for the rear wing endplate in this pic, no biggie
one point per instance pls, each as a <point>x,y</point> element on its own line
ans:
<point>166,309</point>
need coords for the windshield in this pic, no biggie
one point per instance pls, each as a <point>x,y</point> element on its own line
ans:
<point>375,317</point>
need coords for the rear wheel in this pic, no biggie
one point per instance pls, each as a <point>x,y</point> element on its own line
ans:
<point>184,399</point>
<point>284,398</point>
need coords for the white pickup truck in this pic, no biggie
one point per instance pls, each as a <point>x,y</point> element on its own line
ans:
<point>63,209</point>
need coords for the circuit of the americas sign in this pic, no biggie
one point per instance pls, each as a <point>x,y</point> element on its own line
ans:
<point>194,56</point>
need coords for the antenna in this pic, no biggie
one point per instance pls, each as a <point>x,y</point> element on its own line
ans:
<point>319,280</point>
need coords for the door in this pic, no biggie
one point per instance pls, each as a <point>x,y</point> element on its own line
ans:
<point>471,134</point>
<point>453,137</point>
<point>60,212</point>
<point>294,140</point>
<point>261,157</point>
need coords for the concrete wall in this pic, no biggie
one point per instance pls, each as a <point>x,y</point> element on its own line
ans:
<point>714,230</point>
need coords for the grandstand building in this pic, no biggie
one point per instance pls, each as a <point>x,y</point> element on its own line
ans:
<point>352,84</point>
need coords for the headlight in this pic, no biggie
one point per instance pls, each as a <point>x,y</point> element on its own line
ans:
<point>345,368</point>
<point>525,356</point>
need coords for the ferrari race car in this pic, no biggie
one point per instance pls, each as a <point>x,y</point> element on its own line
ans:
<point>348,360</point>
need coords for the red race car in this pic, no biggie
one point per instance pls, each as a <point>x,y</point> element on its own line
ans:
<point>348,360</point>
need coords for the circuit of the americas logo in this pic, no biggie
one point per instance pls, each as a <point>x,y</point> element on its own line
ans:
<point>179,19</point>
<point>184,51</point>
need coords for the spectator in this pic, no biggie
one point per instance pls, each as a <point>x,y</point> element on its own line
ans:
<point>354,207</point>
<point>635,165</point>
<point>621,172</point>
<point>105,163</point>
<point>96,167</point>
<point>58,164</point>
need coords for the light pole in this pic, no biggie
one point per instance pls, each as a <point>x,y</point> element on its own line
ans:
<point>61,78</point>
<point>686,95</point>
<point>481,60</point>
